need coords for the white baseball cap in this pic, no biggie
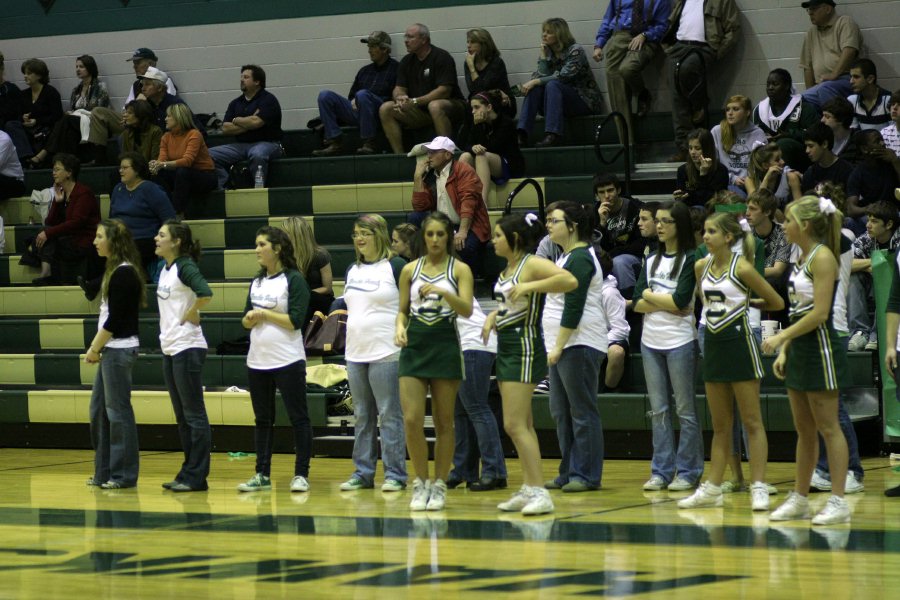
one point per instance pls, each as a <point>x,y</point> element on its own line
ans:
<point>155,74</point>
<point>441,143</point>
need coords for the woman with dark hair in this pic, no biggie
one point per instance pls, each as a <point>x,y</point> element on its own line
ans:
<point>276,305</point>
<point>702,175</point>
<point>70,225</point>
<point>403,241</point>
<point>563,85</point>
<point>181,293</point>
<point>142,134</point>
<point>492,147</point>
<point>87,95</point>
<point>521,358</point>
<point>41,109</point>
<point>485,70</point>
<point>433,290</point>
<point>576,337</point>
<point>665,294</point>
<point>184,167</point>
<point>113,428</point>
<point>142,205</point>
<point>783,115</point>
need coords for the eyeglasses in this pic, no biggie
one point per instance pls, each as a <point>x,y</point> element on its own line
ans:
<point>664,221</point>
<point>359,234</point>
<point>552,222</point>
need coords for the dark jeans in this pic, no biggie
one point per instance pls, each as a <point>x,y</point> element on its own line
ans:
<point>184,182</point>
<point>472,252</point>
<point>290,380</point>
<point>113,428</point>
<point>61,250</point>
<point>688,78</point>
<point>855,465</point>
<point>183,374</point>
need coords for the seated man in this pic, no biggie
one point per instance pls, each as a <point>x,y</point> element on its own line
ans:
<point>825,166</point>
<point>837,115</point>
<point>254,119</point>
<point>872,180</point>
<point>761,209</point>
<point>617,228</point>
<point>871,103</point>
<point>881,233</point>
<point>427,91</point>
<point>371,87</point>
<point>142,59</point>
<point>12,178</point>
<point>452,187</point>
<point>830,47</point>
<point>889,134</point>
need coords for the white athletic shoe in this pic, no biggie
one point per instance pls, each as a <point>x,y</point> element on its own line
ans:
<point>759,496</point>
<point>706,496</point>
<point>655,484</point>
<point>299,484</point>
<point>853,485</point>
<point>857,342</point>
<point>795,507</point>
<point>421,493</point>
<point>438,496</point>
<point>680,484</point>
<point>540,503</point>
<point>836,511</point>
<point>820,483</point>
<point>517,501</point>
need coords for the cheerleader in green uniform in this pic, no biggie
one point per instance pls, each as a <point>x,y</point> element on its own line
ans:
<point>521,357</point>
<point>812,360</point>
<point>433,290</point>
<point>732,367</point>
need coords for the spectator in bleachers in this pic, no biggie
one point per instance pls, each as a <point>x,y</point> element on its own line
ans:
<point>735,137</point>
<point>492,148</point>
<point>882,233</point>
<point>702,175</point>
<point>453,188</point>
<point>647,228</point>
<point>768,171</point>
<point>890,134</point>
<point>184,168</point>
<point>142,59</point>
<point>871,103</point>
<point>616,224</point>
<point>837,114</point>
<point>784,116</point>
<point>562,86</point>
<point>819,139</point>
<point>872,180</point>
<point>141,134</point>
<point>700,33</point>
<point>426,94</point>
<point>142,205</point>
<point>629,36</point>
<point>12,178</point>
<point>485,70</point>
<point>40,110</point>
<point>403,241</point>
<point>70,225</point>
<point>254,119</point>
<point>313,262</point>
<point>372,85</point>
<point>761,210</point>
<point>87,95</point>
<point>830,47</point>
<point>10,100</point>
<point>613,303</point>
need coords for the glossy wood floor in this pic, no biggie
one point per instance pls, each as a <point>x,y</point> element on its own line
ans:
<point>61,539</point>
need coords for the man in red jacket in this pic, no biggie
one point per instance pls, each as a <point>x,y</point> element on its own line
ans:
<point>451,187</point>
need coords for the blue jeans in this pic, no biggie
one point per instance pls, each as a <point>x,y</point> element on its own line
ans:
<point>183,374</point>
<point>671,373</point>
<point>291,382</point>
<point>258,153</point>
<point>113,428</point>
<point>376,393</point>
<point>574,381</point>
<point>626,268</point>
<point>855,466</point>
<point>472,251</point>
<point>556,101</point>
<point>336,110</point>
<point>858,304</point>
<point>477,433</point>
<point>821,93</point>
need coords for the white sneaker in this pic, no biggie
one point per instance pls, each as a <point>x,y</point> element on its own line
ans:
<point>540,503</point>
<point>853,485</point>
<point>857,342</point>
<point>438,496</point>
<point>820,483</point>
<point>795,507</point>
<point>421,493</point>
<point>392,485</point>
<point>299,484</point>
<point>517,501</point>
<point>654,484</point>
<point>759,496</point>
<point>872,344</point>
<point>836,511</point>
<point>680,484</point>
<point>706,496</point>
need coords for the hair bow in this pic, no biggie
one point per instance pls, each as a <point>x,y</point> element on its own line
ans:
<point>826,206</point>
<point>745,226</point>
<point>531,219</point>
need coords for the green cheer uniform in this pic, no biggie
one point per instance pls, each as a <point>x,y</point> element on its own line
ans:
<point>520,341</point>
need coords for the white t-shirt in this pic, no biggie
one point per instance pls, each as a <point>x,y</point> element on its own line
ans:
<point>690,26</point>
<point>470,331</point>
<point>273,346</point>
<point>373,300</point>
<point>175,297</point>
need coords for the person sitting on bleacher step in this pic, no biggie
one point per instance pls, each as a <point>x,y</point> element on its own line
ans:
<point>12,178</point>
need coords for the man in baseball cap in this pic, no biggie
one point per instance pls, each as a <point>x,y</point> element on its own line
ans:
<point>142,59</point>
<point>830,48</point>
<point>371,87</point>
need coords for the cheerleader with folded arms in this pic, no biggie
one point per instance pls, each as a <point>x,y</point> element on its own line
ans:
<point>811,358</point>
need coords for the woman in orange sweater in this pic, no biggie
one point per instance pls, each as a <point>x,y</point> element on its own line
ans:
<point>184,167</point>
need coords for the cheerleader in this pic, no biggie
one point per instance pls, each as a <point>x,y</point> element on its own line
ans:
<point>811,358</point>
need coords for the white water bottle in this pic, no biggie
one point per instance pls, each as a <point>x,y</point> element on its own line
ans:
<point>259,180</point>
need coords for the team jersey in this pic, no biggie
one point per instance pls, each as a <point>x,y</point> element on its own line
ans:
<point>273,346</point>
<point>432,309</point>
<point>725,297</point>
<point>180,284</point>
<point>673,274</point>
<point>800,287</point>
<point>525,311</point>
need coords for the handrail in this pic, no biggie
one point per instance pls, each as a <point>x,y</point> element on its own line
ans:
<point>622,128</point>
<point>540,194</point>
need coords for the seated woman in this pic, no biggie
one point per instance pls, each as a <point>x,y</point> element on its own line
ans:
<point>313,262</point>
<point>142,134</point>
<point>784,116</point>
<point>184,167</point>
<point>71,224</point>
<point>10,102</point>
<point>492,147</point>
<point>485,70</point>
<point>768,171</point>
<point>563,85</point>
<point>41,109</point>
<point>66,134</point>
<point>735,137</point>
<point>702,175</point>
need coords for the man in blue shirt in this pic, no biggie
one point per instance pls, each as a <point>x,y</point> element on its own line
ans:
<point>372,86</point>
<point>254,119</point>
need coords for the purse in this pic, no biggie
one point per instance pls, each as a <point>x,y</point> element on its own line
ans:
<point>326,334</point>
